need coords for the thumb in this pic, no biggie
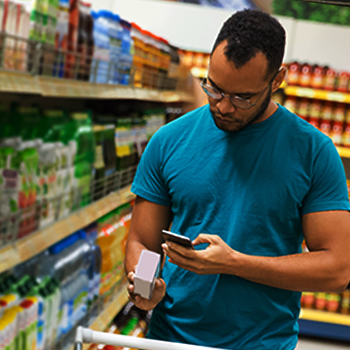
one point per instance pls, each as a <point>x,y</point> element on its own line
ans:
<point>159,284</point>
<point>202,238</point>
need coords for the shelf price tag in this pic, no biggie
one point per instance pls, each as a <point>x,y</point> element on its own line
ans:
<point>304,92</point>
<point>336,96</point>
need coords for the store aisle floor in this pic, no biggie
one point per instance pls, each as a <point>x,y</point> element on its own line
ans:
<point>318,344</point>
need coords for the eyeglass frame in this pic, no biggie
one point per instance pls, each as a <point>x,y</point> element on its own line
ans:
<point>236,97</point>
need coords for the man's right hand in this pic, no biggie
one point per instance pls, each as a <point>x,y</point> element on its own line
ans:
<point>143,303</point>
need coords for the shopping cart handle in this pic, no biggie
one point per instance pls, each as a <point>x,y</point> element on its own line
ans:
<point>86,335</point>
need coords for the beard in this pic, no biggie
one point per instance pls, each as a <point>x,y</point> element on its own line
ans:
<point>237,125</point>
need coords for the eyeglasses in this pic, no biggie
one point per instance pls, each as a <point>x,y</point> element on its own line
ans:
<point>236,101</point>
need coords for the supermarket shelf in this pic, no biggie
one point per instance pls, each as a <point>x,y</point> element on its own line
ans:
<point>317,94</point>
<point>33,244</point>
<point>324,324</point>
<point>107,315</point>
<point>15,82</point>
<point>101,323</point>
<point>104,319</point>
<point>344,152</point>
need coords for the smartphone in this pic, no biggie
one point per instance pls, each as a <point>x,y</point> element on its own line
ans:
<point>181,240</point>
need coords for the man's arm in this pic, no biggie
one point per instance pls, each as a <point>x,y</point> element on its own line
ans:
<point>148,221</point>
<point>325,268</point>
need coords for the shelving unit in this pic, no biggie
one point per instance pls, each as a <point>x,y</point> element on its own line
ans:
<point>325,95</point>
<point>324,324</point>
<point>104,319</point>
<point>35,243</point>
<point>17,82</point>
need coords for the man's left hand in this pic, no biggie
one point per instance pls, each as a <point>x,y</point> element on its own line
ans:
<point>217,258</point>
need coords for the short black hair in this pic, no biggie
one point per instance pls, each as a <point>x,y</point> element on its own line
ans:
<point>249,32</point>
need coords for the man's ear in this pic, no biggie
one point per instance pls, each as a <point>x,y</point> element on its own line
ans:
<point>279,79</point>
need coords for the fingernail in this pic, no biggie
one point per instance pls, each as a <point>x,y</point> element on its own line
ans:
<point>169,244</point>
<point>164,246</point>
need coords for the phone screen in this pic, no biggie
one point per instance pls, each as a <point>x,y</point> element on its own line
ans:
<point>181,240</point>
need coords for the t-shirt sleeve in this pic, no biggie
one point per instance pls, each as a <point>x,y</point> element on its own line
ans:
<point>328,189</point>
<point>149,182</point>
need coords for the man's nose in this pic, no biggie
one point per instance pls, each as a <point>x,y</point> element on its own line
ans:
<point>225,106</point>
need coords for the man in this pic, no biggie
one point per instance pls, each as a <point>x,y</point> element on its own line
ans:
<point>257,180</point>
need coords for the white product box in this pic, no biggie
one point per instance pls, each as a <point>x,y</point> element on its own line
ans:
<point>146,273</point>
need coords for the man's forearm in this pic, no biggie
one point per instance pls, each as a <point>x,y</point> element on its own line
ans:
<point>313,271</point>
<point>132,255</point>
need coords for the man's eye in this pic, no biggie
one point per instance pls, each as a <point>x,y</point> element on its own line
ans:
<point>244,97</point>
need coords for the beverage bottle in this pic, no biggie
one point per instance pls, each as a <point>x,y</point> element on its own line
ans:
<point>116,38</point>
<point>330,79</point>
<point>333,302</point>
<point>327,118</point>
<point>343,81</point>
<point>345,302</point>
<point>139,56</point>
<point>109,156</point>
<point>105,241</point>
<point>127,52</point>
<point>100,62</point>
<point>27,163</point>
<point>291,103</point>
<point>320,301</point>
<point>293,73</point>
<point>309,299</point>
<point>165,63</point>
<point>303,108</point>
<point>318,77</point>
<point>337,130</point>
<point>315,113</point>
<point>99,165</point>
<point>85,41</point>
<point>305,75</point>
<point>61,38</point>
<point>71,63</point>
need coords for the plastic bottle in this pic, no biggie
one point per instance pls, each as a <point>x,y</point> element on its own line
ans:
<point>85,41</point>
<point>70,71</point>
<point>293,73</point>
<point>109,157</point>
<point>127,54</point>
<point>139,56</point>
<point>315,113</point>
<point>30,315</point>
<point>61,38</point>
<point>105,241</point>
<point>99,165</point>
<point>27,162</point>
<point>100,62</point>
<point>327,118</point>
<point>164,63</point>
<point>78,134</point>
<point>345,303</point>
<point>336,133</point>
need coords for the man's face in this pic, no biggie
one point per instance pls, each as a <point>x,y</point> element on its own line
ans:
<point>247,82</point>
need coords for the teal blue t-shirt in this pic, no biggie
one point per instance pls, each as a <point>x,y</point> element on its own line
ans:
<point>251,188</point>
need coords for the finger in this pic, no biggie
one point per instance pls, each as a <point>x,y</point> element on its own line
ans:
<point>181,261</point>
<point>131,288</point>
<point>131,277</point>
<point>173,247</point>
<point>173,254</point>
<point>203,238</point>
<point>160,284</point>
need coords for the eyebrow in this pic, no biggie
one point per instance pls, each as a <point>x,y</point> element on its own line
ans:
<point>240,93</point>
